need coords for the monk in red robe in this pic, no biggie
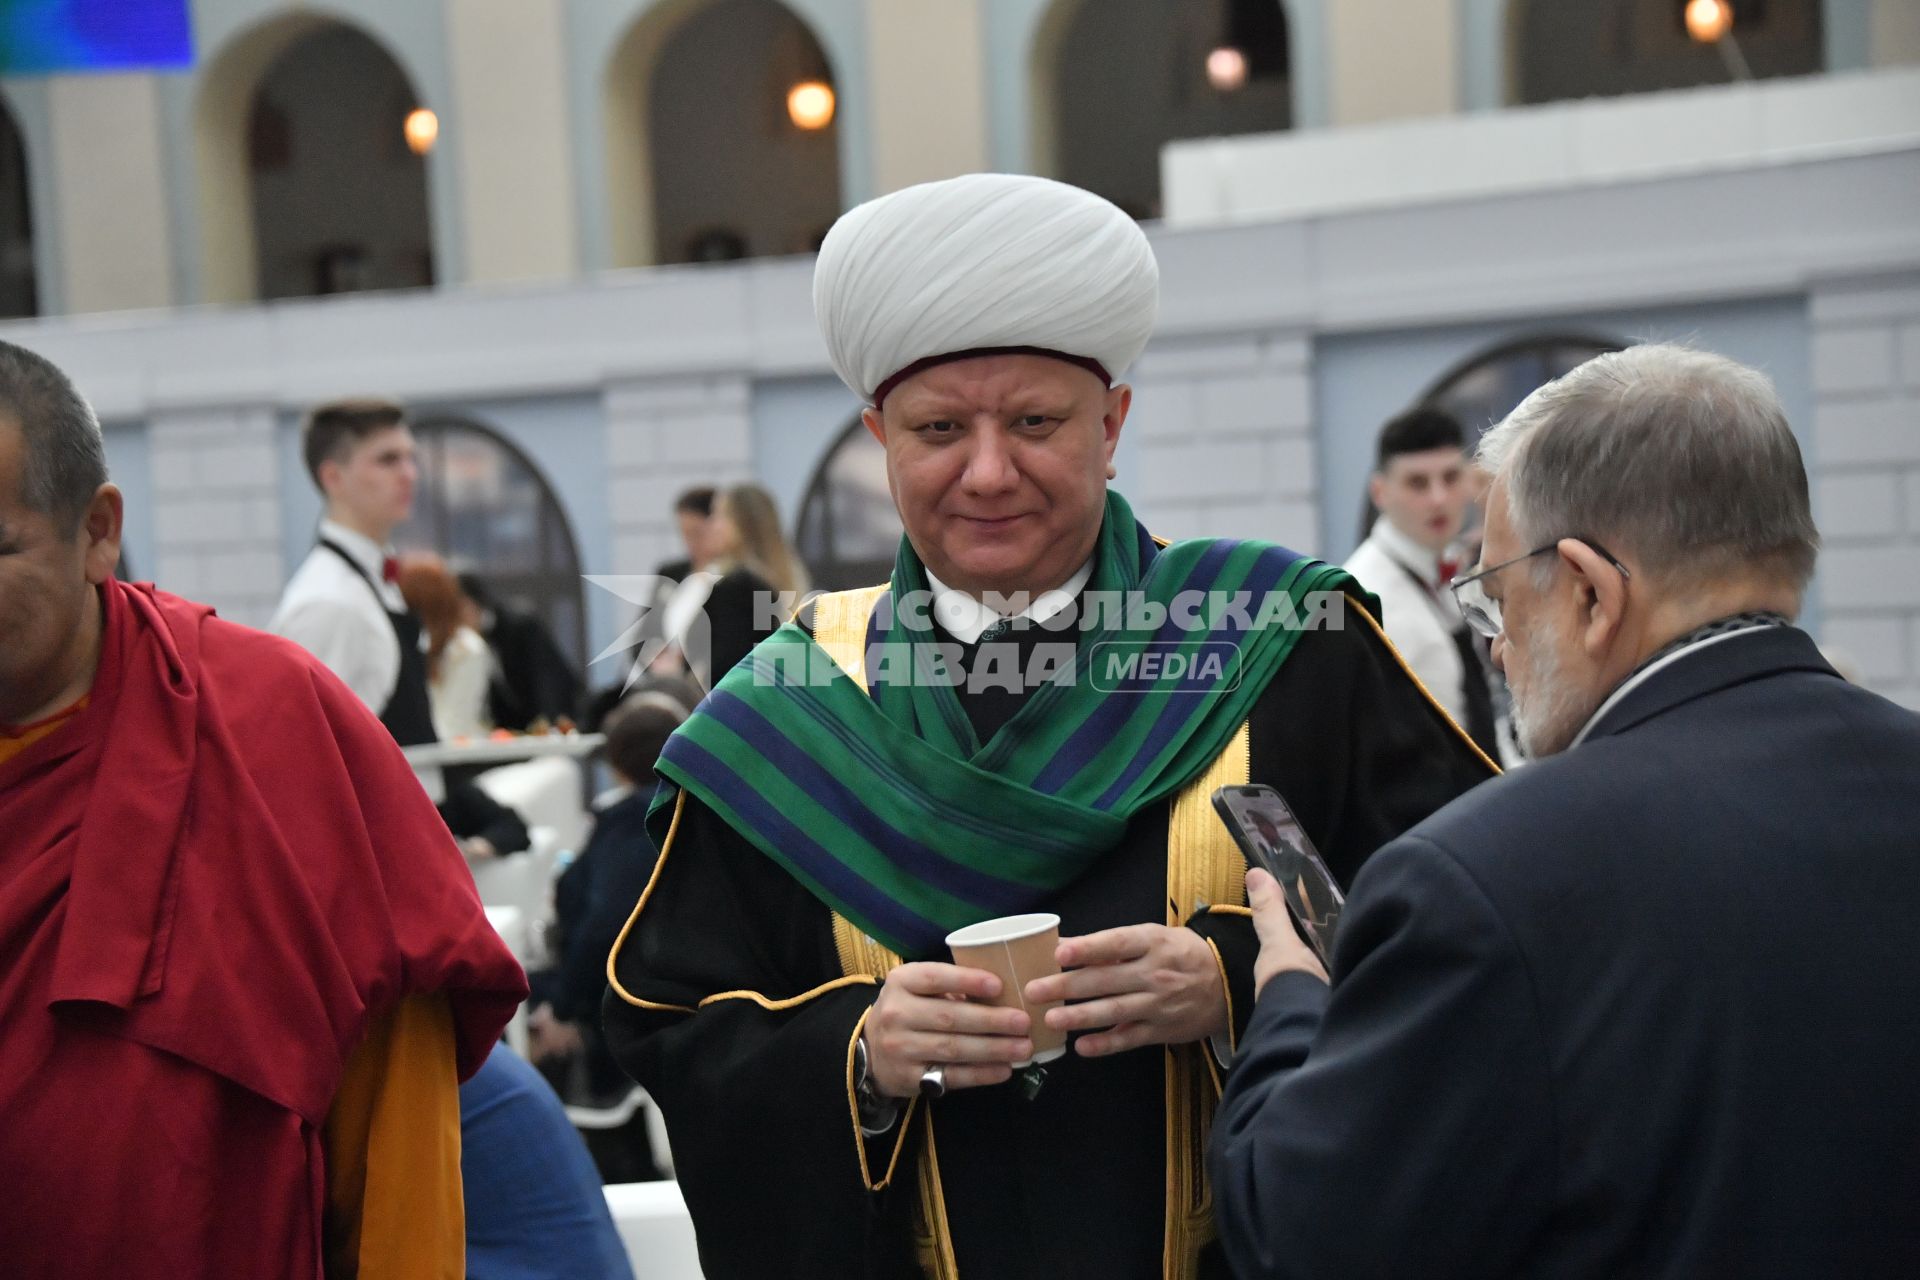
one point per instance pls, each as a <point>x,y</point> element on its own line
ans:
<point>242,965</point>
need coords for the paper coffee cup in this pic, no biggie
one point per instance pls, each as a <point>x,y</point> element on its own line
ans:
<point>1018,949</point>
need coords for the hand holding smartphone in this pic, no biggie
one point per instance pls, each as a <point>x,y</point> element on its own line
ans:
<point>1273,840</point>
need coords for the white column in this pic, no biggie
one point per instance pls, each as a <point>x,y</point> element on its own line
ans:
<point>1392,61</point>
<point>109,192</point>
<point>509,123</point>
<point>1894,35</point>
<point>926,60</point>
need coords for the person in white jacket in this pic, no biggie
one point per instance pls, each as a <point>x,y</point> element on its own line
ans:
<point>1421,487</point>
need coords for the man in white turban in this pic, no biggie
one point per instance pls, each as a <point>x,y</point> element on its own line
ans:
<point>1001,728</point>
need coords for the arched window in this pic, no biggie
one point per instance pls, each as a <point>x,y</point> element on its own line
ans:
<point>1485,388</point>
<point>312,165</point>
<point>1596,48</point>
<point>485,507</point>
<point>722,135</point>
<point>848,528</point>
<point>18,294</point>
<point>1116,80</point>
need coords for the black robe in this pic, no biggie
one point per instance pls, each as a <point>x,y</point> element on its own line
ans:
<point>1069,1183</point>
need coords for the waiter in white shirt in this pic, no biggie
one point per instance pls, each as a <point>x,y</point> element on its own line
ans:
<point>1420,486</point>
<point>342,604</point>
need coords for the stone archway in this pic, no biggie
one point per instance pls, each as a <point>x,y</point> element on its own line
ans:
<point>1116,80</point>
<point>305,191</point>
<point>702,159</point>
<point>19,290</point>
<point>1566,49</point>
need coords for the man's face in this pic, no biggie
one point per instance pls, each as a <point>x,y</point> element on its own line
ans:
<point>695,533</point>
<point>371,489</point>
<point>47,581</point>
<point>1555,685</point>
<point>998,465</point>
<point>1425,494</point>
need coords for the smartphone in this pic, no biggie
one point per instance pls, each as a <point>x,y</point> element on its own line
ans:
<point>1273,840</point>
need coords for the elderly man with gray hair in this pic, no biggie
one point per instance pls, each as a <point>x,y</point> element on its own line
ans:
<point>1648,1007</point>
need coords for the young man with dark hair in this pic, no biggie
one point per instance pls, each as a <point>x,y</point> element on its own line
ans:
<point>343,605</point>
<point>1421,488</point>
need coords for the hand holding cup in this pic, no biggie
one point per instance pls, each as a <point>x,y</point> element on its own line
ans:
<point>931,1014</point>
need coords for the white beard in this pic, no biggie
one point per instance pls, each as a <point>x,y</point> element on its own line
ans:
<point>1550,712</point>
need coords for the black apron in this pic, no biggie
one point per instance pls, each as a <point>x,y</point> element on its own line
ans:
<point>1474,690</point>
<point>408,714</point>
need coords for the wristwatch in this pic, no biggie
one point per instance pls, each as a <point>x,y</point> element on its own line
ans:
<point>877,1113</point>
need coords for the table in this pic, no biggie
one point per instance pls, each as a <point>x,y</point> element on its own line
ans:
<point>485,752</point>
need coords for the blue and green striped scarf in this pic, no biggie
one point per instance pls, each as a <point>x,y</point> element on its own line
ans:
<point>891,811</point>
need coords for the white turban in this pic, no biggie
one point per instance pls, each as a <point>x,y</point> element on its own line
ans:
<point>982,263</point>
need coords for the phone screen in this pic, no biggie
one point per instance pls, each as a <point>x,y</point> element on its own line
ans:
<point>1272,838</point>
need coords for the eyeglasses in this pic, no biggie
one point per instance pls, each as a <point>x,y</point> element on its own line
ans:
<point>1482,611</point>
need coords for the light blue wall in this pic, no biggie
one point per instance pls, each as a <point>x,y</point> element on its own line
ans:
<point>1361,380</point>
<point>795,421</point>
<point>1482,52</point>
<point>1847,28</point>
<point>130,467</point>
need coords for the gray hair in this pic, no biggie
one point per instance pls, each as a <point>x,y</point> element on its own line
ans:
<point>1680,458</point>
<point>66,459</point>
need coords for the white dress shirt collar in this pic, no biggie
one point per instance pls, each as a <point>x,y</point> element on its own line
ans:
<point>368,554</point>
<point>965,617</point>
<point>1406,552</point>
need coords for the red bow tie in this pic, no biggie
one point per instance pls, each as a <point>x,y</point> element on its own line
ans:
<point>390,569</point>
<point>1446,569</point>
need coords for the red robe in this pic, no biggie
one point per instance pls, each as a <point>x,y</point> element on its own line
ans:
<point>211,881</point>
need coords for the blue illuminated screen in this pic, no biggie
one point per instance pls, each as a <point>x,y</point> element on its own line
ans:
<point>43,36</point>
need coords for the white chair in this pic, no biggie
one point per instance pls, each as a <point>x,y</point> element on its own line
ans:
<point>657,1230</point>
<point>523,881</point>
<point>620,1113</point>
<point>545,792</point>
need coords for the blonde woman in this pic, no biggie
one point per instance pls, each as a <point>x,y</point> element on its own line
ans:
<point>761,576</point>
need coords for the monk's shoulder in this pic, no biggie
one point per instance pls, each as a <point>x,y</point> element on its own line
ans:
<point>253,667</point>
<point>263,655</point>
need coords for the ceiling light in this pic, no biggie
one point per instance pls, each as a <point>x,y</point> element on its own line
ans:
<point>810,104</point>
<point>422,128</point>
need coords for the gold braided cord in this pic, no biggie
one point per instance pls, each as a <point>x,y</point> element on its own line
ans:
<point>1204,868</point>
